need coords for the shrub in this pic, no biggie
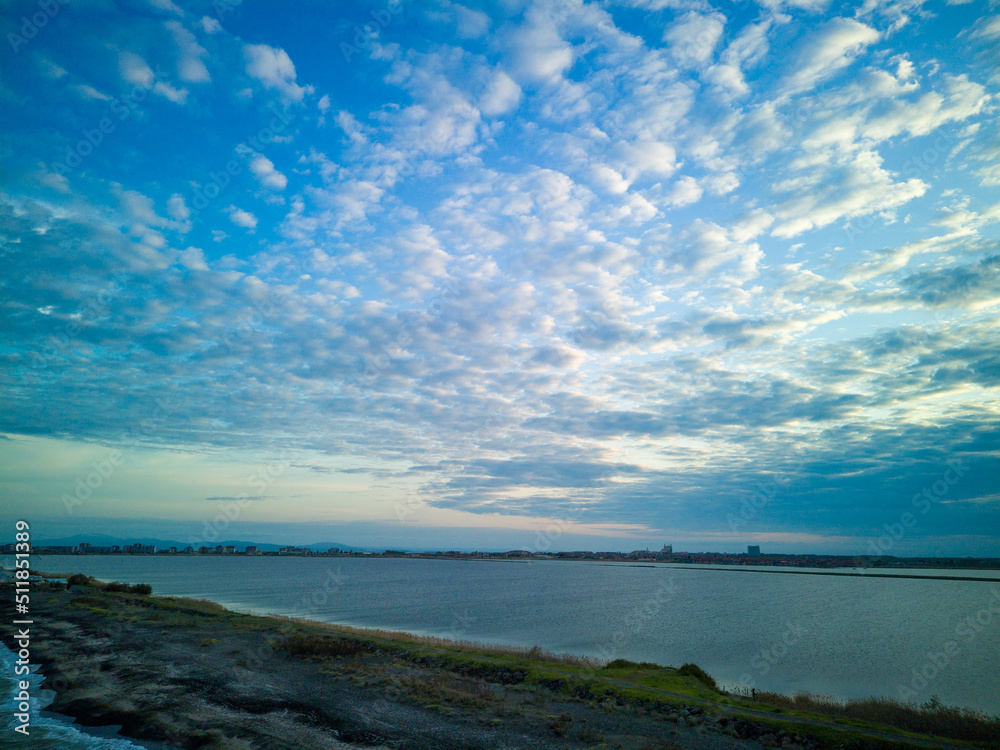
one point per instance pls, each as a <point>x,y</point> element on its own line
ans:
<point>143,589</point>
<point>300,644</point>
<point>693,670</point>
<point>79,579</point>
<point>626,664</point>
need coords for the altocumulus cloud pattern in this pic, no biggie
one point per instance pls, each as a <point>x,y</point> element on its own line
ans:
<point>624,263</point>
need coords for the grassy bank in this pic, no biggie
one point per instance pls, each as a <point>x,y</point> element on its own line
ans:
<point>565,698</point>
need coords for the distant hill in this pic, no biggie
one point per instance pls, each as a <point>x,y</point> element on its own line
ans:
<point>103,540</point>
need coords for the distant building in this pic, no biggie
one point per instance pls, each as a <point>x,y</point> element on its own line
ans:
<point>59,550</point>
<point>84,548</point>
<point>229,549</point>
<point>219,549</point>
<point>251,549</point>
<point>753,550</point>
<point>204,550</point>
<point>172,551</point>
<point>668,549</point>
<point>189,550</point>
<point>294,551</point>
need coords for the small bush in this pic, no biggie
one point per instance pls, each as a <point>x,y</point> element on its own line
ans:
<point>304,645</point>
<point>79,579</point>
<point>626,664</point>
<point>693,670</point>
<point>142,589</point>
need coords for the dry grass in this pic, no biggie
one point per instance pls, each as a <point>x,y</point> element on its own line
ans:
<point>448,690</point>
<point>930,718</point>
<point>518,652</point>
<point>319,646</point>
<point>206,604</point>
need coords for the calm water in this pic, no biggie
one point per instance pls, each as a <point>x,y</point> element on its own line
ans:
<point>846,637</point>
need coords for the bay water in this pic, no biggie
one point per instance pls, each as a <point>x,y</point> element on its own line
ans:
<point>846,637</point>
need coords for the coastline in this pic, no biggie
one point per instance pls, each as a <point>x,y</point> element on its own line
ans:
<point>193,674</point>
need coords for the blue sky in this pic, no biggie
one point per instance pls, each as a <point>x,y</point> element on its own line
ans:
<point>536,275</point>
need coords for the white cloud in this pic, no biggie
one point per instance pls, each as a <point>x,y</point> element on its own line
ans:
<point>693,38</point>
<point>55,181</point>
<point>812,6</point>
<point>194,259</point>
<point>263,169</point>
<point>242,218</point>
<point>165,5</point>
<point>210,25</point>
<point>178,208</point>
<point>324,103</point>
<point>89,92</point>
<point>135,70</point>
<point>855,187</point>
<point>609,179</point>
<point>539,53</point>
<point>502,95</point>
<point>190,66</point>
<point>826,52</point>
<point>471,24</point>
<point>728,77</point>
<point>684,192</point>
<point>988,28</point>
<point>274,68</point>
<point>961,99</point>
<point>177,96</point>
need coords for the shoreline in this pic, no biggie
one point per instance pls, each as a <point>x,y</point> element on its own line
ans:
<point>193,674</point>
<point>849,563</point>
<point>715,568</point>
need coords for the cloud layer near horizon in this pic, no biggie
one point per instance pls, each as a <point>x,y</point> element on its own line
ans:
<point>628,264</point>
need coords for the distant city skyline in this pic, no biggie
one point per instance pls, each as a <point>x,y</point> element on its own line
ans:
<point>556,274</point>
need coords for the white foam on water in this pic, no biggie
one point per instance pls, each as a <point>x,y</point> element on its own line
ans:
<point>44,731</point>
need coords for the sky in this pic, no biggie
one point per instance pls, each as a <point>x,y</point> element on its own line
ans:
<point>510,275</point>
